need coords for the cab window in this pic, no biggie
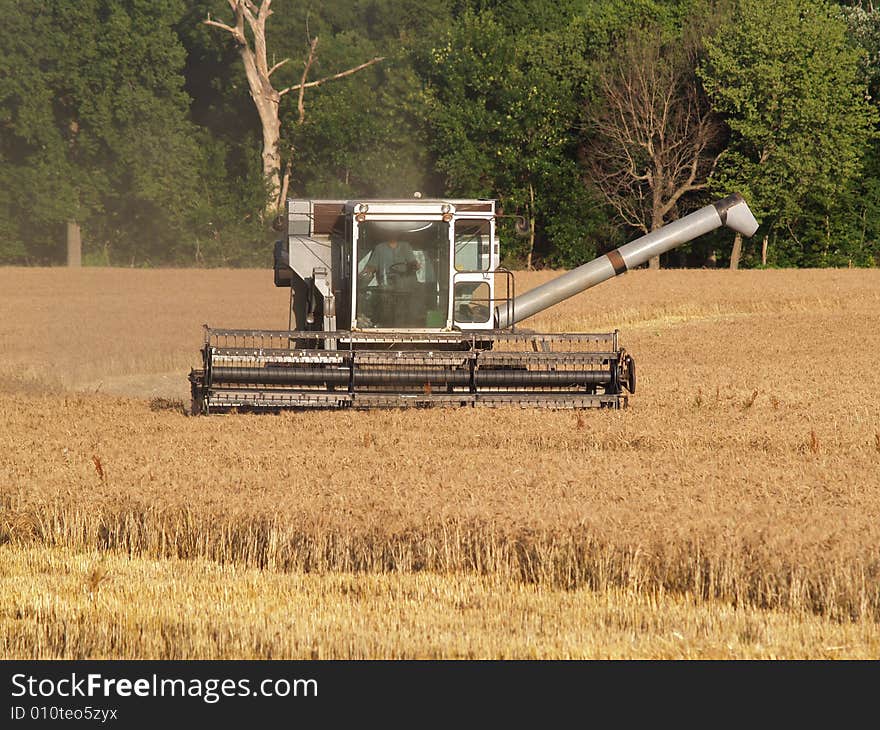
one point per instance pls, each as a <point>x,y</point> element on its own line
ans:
<point>472,245</point>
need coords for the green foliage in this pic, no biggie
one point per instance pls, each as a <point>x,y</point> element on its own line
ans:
<point>95,129</point>
<point>362,135</point>
<point>864,29</point>
<point>134,119</point>
<point>788,82</point>
<point>502,105</point>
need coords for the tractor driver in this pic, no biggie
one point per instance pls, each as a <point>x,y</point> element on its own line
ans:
<point>394,264</point>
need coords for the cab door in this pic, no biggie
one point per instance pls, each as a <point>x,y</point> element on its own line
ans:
<point>473,283</point>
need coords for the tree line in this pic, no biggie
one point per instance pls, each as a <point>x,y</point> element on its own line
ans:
<point>165,132</point>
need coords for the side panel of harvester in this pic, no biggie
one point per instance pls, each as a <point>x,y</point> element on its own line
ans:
<point>314,259</point>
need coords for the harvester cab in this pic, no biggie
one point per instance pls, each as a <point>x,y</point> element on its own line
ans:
<point>397,303</point>
<point>389,265</point>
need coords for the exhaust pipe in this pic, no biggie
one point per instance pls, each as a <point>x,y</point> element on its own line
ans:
<point>731,211</point>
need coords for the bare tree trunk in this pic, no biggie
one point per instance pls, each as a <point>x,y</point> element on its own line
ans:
<point>285,182</point>
<point>764,252</point>
<point>74,244</point>
<point>736,254</point>
<point>271,157</point>
<point>656,222</point>
<point>267,99</point>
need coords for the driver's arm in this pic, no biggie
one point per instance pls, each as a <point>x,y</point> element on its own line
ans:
<point>411,260</point>
<point>371,267</point>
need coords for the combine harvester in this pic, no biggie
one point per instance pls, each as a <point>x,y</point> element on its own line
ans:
<point>399,303</point>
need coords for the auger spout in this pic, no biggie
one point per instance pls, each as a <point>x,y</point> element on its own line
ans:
<point>731,211</point>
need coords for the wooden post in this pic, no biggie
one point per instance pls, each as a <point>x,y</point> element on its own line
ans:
<point>737,252</point>
<point>74,244</point>
<point>764,252</point>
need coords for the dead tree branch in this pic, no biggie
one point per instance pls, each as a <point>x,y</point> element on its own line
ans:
<point>653,136</point>
<point>267,99</point>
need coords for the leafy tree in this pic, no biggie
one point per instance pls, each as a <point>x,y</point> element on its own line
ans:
<point>502,105</point>
<point>864,202</point>
<point>864,28</point>
<point>230,229</point>
<point>94,130</point>
<point>365,136</point>
<point>789,85</point>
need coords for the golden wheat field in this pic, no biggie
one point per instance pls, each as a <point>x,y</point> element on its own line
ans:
<point>732,511</point>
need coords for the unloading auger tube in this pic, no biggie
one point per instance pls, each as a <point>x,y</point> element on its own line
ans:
<point>731,211</point>
<point>438,365</point>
